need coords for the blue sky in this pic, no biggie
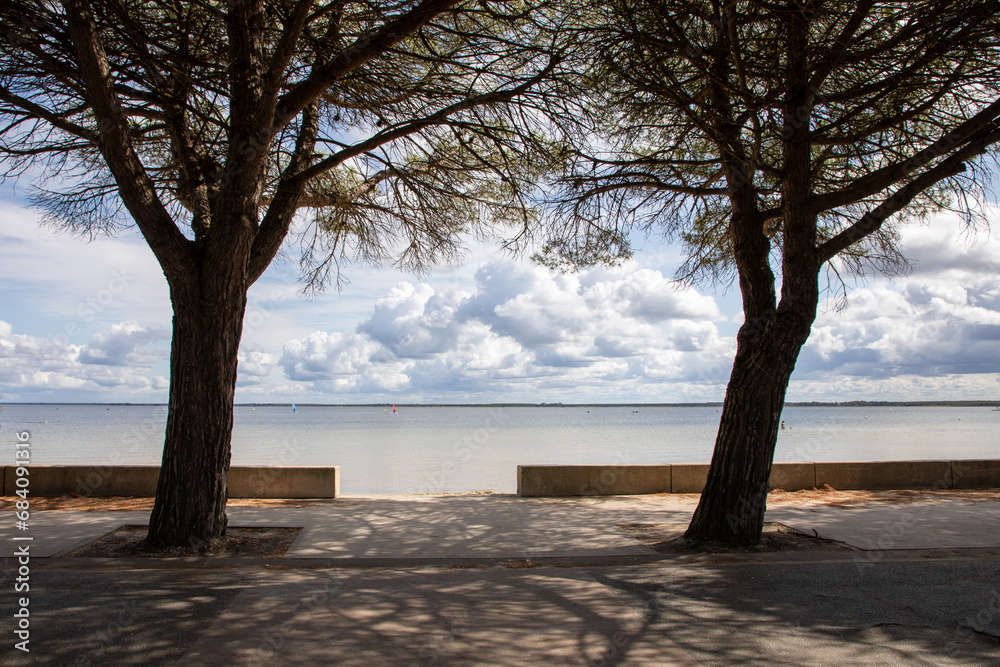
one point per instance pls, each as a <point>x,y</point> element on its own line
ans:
<point>90,322</point>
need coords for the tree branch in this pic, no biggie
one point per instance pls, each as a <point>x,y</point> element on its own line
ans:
<point>281,210</point>
<point>135,186</point>
<point>439,117</point>
<point>871,221</point>
<point>50,117</point>
<point>363,50</point>
<point>881,179</point>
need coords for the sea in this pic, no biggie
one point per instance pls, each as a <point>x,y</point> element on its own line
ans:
<point>478,448</point>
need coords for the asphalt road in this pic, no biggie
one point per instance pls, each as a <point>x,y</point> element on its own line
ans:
<point>816,611</point>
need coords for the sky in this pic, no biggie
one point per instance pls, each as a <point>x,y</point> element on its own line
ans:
<point>90,322</point>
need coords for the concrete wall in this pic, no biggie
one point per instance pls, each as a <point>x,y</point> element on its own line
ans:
<point>688,477</point>
<point>244,482</point>
<point>793,476</point>
<point>599,480</point>
<point>592,480</point>
<point>298,482</point>
<point>849,475</point>
<point>532,480</point>
<point>975,474</point>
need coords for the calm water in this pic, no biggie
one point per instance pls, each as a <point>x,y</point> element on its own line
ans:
<point>419,450</point>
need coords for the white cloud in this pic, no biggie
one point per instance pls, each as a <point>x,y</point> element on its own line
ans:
<point>255,365</point>
<point>342,362</point>
<point>414,321</point>
<point>81,286</point>
<point>115,360</point>
<point>89,322</point>
<point>935,330</point>
<point>124,344</point>
<point>523,330</point>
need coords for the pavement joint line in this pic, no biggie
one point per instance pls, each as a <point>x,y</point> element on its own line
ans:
<point>527,563</point>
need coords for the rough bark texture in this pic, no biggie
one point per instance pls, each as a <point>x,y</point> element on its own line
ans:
<point>214,120</point>
<point>190,503</point>
<point>732,504</point>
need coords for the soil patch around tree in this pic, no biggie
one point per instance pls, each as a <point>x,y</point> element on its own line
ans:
<point>669,539</point>
<point>126,542</point>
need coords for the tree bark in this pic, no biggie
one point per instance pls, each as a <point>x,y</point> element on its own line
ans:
<point>732,505</point>
<point>209,305</point>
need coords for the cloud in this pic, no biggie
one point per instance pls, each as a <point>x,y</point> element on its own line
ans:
<point>81,286</point>
<point>522,330</point>
<point>935,330</point>
<point>415,322</point>
<point>496,332</point>
<point>124,344</point>
<point>255,365</point>
<point>115,359</point>
<point>947,248</point>
<point>339,362</point>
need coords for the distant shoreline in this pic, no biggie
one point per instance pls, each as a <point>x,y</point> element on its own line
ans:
<point>790,404</point>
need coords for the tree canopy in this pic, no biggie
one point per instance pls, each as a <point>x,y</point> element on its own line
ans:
<point>383,118</point>
<point>211,125</point>
<point>896,99</point>
<point>773,141</point>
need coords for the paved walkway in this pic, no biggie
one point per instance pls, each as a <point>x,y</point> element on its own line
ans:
<point>508,526</point>
<point>503,580</point>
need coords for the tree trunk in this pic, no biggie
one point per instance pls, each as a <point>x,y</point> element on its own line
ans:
<point>190,504</point>
<point>732,505</point>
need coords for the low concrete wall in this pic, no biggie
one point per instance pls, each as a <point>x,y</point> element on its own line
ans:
<point>975,474</point>
<point>599,480</point>
<point>793,476</point>
<point>298,482</point>
<point>244,481</point>
<point>851,475</point>
<point>688,477</point>
<point>592,480</point>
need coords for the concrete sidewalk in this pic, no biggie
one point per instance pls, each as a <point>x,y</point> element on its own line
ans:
<point>508,526</point>
<point>921,586</point>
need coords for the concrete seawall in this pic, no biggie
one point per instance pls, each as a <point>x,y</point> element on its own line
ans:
<point>532,480</point>
<point>608,480</point>
<point>244,481</point>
